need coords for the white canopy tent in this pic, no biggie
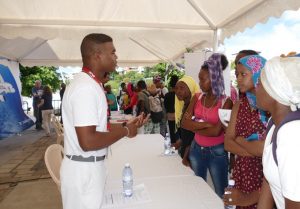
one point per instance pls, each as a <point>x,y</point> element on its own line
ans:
<point>145,32</point>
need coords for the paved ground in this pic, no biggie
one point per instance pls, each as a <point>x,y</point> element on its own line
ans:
<point>22,166</point>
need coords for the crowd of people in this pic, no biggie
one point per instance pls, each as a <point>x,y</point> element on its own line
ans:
<point>133,99</point>
<point>265,175</point>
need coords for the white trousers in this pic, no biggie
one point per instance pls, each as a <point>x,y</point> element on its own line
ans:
<point>46,115</point>
<point>82,184</point>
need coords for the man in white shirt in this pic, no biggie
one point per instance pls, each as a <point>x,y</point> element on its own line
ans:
<point>86,132</point>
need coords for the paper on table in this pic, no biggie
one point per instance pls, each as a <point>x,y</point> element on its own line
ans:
<point>116,198</point>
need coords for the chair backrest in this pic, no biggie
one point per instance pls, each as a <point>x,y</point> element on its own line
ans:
<point>53,159</point>
<point>60,139</point>
<point>57,126</point>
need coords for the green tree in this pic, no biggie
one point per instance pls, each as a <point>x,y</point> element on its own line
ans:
<point>161,70</point>
<point>47,75</point>
<point>149,72</point>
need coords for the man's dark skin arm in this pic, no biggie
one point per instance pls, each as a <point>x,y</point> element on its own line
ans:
<point>90,139</point>
<point>289,204</point>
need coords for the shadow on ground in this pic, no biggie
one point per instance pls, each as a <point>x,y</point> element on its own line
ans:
<point>24,179</point>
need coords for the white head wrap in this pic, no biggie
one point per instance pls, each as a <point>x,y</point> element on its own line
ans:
<point>281,80</point>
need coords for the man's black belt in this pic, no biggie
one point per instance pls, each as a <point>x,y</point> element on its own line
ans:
<point>86,159</point>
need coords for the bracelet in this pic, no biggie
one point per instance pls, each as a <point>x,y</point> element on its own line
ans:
<point>128,132</point>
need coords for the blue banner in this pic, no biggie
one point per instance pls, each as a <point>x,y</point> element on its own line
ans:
<point>13,120</point>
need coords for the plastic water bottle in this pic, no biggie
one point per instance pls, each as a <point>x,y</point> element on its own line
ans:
<point>167,144</point>
<point>127,181</point>
<point>231,183</point>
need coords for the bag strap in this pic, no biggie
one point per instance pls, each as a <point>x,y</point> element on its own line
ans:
<point>289,118</point>
<point>146,93</point>
<point>269,126</point>
<point>199,96</point>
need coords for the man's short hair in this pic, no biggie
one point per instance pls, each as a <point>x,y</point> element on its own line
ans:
<point>141,84</point>
<point>123,85</point>
<point>90,41</point>
<point>173,81</point>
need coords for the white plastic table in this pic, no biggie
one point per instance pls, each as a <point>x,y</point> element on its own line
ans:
<point>144,153</point>
<point>167,183</point>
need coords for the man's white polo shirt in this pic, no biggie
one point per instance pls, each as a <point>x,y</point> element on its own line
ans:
<point>84,104</point>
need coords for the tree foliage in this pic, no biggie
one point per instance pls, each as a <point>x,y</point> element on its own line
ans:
<point>50,76</point>
<point>47,75</point>
<point>149,72</point>
<point>163,69</point>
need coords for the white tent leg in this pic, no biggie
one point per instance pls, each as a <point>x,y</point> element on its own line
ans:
<point>216,40</point>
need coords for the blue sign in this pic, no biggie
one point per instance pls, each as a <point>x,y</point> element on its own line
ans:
<point>13,120</point>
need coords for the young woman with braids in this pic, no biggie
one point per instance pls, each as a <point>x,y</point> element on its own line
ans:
<point>207,150</point>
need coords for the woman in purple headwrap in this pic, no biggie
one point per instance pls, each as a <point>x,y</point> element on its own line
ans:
<point>245,136</point>
<point>207,149</point>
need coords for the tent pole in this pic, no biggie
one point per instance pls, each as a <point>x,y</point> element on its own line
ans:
<point>216,39</point>
<point>167,72</point>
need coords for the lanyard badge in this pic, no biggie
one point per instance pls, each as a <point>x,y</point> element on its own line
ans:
<point>93,76</point>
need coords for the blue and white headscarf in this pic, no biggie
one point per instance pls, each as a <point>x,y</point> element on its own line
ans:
<point>255,64</point>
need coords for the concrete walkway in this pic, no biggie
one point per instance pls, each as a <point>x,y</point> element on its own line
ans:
<point>24,179</point>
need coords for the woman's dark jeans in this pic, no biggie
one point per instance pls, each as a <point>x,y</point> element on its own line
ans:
<point>215,159</point>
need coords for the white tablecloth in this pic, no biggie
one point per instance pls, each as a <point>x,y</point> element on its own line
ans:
<point>177,192</point>
<point>169,184</point>
<point>144,153</point>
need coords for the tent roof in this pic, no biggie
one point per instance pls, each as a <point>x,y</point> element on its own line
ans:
<point>145,32</point>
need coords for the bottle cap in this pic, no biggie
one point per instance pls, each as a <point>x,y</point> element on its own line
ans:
<point>231,182</point>
<point>127,165</point>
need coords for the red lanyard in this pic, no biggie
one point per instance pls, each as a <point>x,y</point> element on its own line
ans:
<point>92,75</point>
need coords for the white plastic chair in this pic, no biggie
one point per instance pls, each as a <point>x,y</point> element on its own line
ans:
<point>60,139</point>
<point>53,159</point>
<point>57,126</point>
<point>59,130</point>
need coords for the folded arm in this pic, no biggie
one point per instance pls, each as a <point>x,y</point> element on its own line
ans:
<point>216,129</point>
<point>253,147</point>
<point>230,144</point>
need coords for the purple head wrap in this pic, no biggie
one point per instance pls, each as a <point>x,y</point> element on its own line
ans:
<point>216,74</point>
